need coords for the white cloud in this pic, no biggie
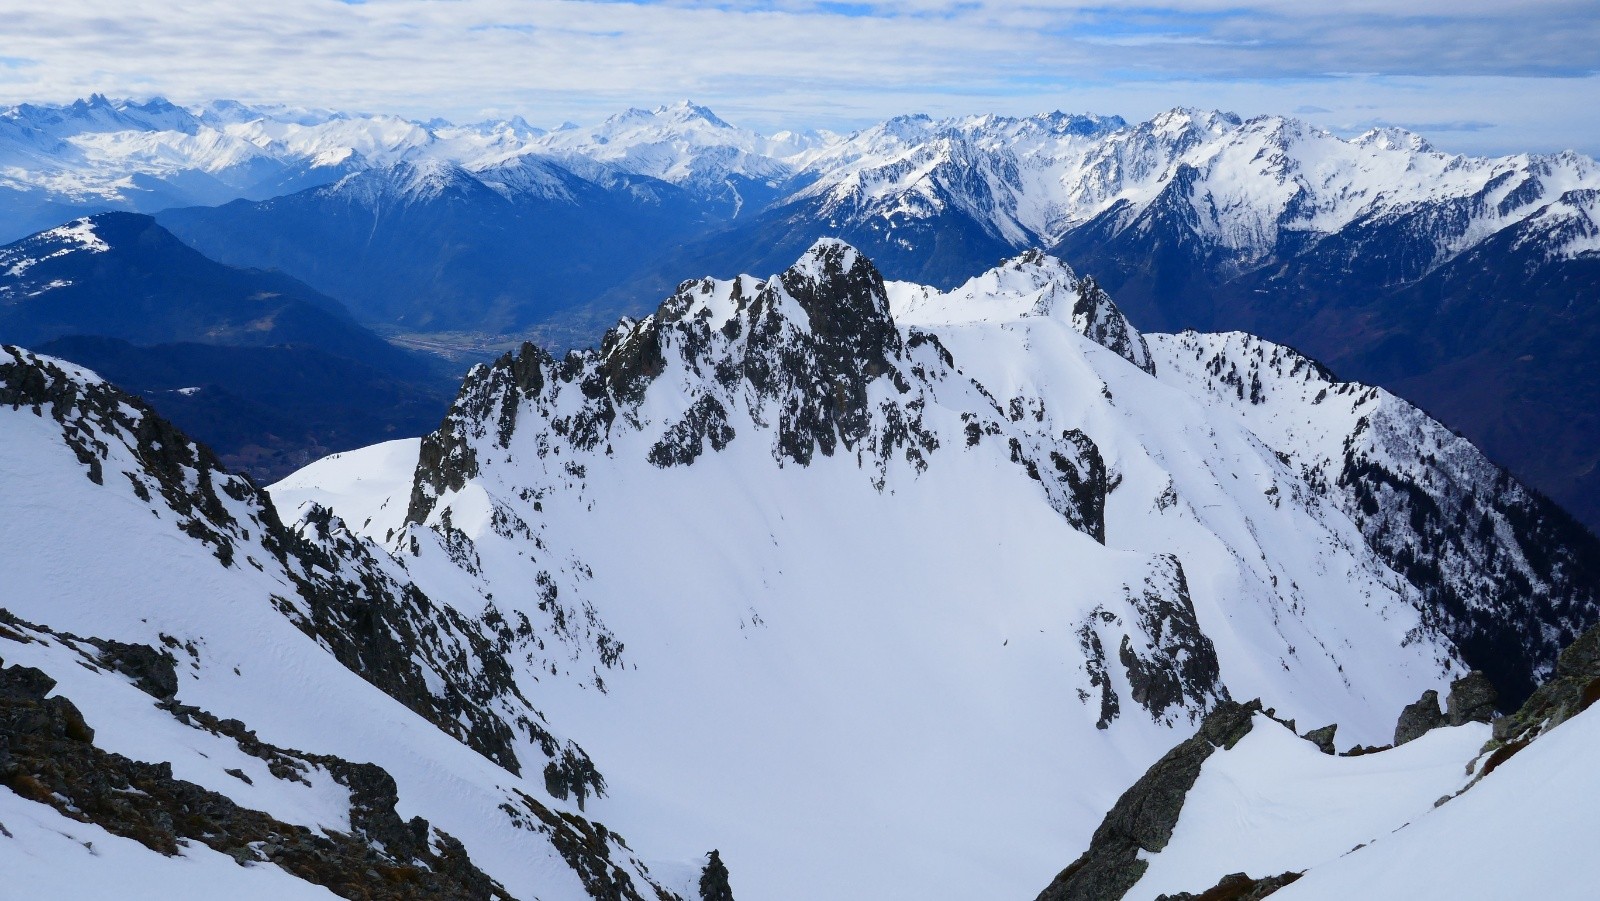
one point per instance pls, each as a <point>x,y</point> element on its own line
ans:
<point>790,63</point>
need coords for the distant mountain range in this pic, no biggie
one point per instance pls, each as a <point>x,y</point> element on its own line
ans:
<point>1460,282</point>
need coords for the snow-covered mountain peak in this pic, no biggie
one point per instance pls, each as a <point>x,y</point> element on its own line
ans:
<point>98,113</point>
<point>1183,123</point>
<point>407,181</point>
<point>1393,137</point>
<point>687,110</point>
<point>685,144</point>
<point>1033,283</point>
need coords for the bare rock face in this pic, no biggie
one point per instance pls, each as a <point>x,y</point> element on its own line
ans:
<point>1472,699</point>
<point>50,758</point>
<point>1575,687</point>
<point>1101,322</point>
<point>714,879</point>
<point>1419,718</point>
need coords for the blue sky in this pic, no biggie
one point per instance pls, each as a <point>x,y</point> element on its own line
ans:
<point>1472,75</point>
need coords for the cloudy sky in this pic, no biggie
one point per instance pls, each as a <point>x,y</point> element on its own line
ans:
<point>1472,75</point>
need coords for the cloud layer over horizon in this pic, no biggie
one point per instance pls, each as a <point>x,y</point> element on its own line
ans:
<point>1473,75</point>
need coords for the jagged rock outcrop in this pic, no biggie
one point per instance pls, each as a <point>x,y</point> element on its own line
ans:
<point>1472,699</point>
<point>714,879</point>
<point>1170,664</point>
<point>1099,320</point>
<point>1323,737</point>
<point>1419,718</point>
<point>1176,669</point>
<point>154,671</point>
<point>50,758</point>
<point>1144,817</point>
<point>1572,690</point>
<point>811,356</point>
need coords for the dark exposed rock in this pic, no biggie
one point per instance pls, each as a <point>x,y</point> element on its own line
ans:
<point>706,420</point>
<point>1575,686</point>
<point>1094,657</point>
<point>52,760</point>
<point>1237,887</point>
<point>1323,738</point>
<point>445,461</point>
<point>1472,699</point>
<point>1085,475</point>
<point>1176,669</point>
<point>1100,321</point>
<point>586,846</point>
<point>797,353</point>
<point>155,672</point>
<point>714,879</point>
<point>1144,817</point>
<point>91,412</point>
<point>1419,718</point>
<point>572,775</point>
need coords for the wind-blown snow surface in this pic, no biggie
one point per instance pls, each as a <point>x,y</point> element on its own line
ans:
<point>48,855</point>
<point>862,635</point>
<point>1274,803</point>
<point>1410,822</point>
<point>359,483</point>
<point>1517,834</point>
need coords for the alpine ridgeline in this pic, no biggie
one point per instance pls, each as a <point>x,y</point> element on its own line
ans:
<point>814,560</point>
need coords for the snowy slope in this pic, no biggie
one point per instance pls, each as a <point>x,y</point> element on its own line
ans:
<point>293,656</point>
<point>1457,809</point>
<point>1458,527</point>
<point>829,542</point>
<point>1274,804</point>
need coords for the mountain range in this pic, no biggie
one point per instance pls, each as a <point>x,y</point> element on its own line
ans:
<point>878,589</point>
<point>1457,282</point>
